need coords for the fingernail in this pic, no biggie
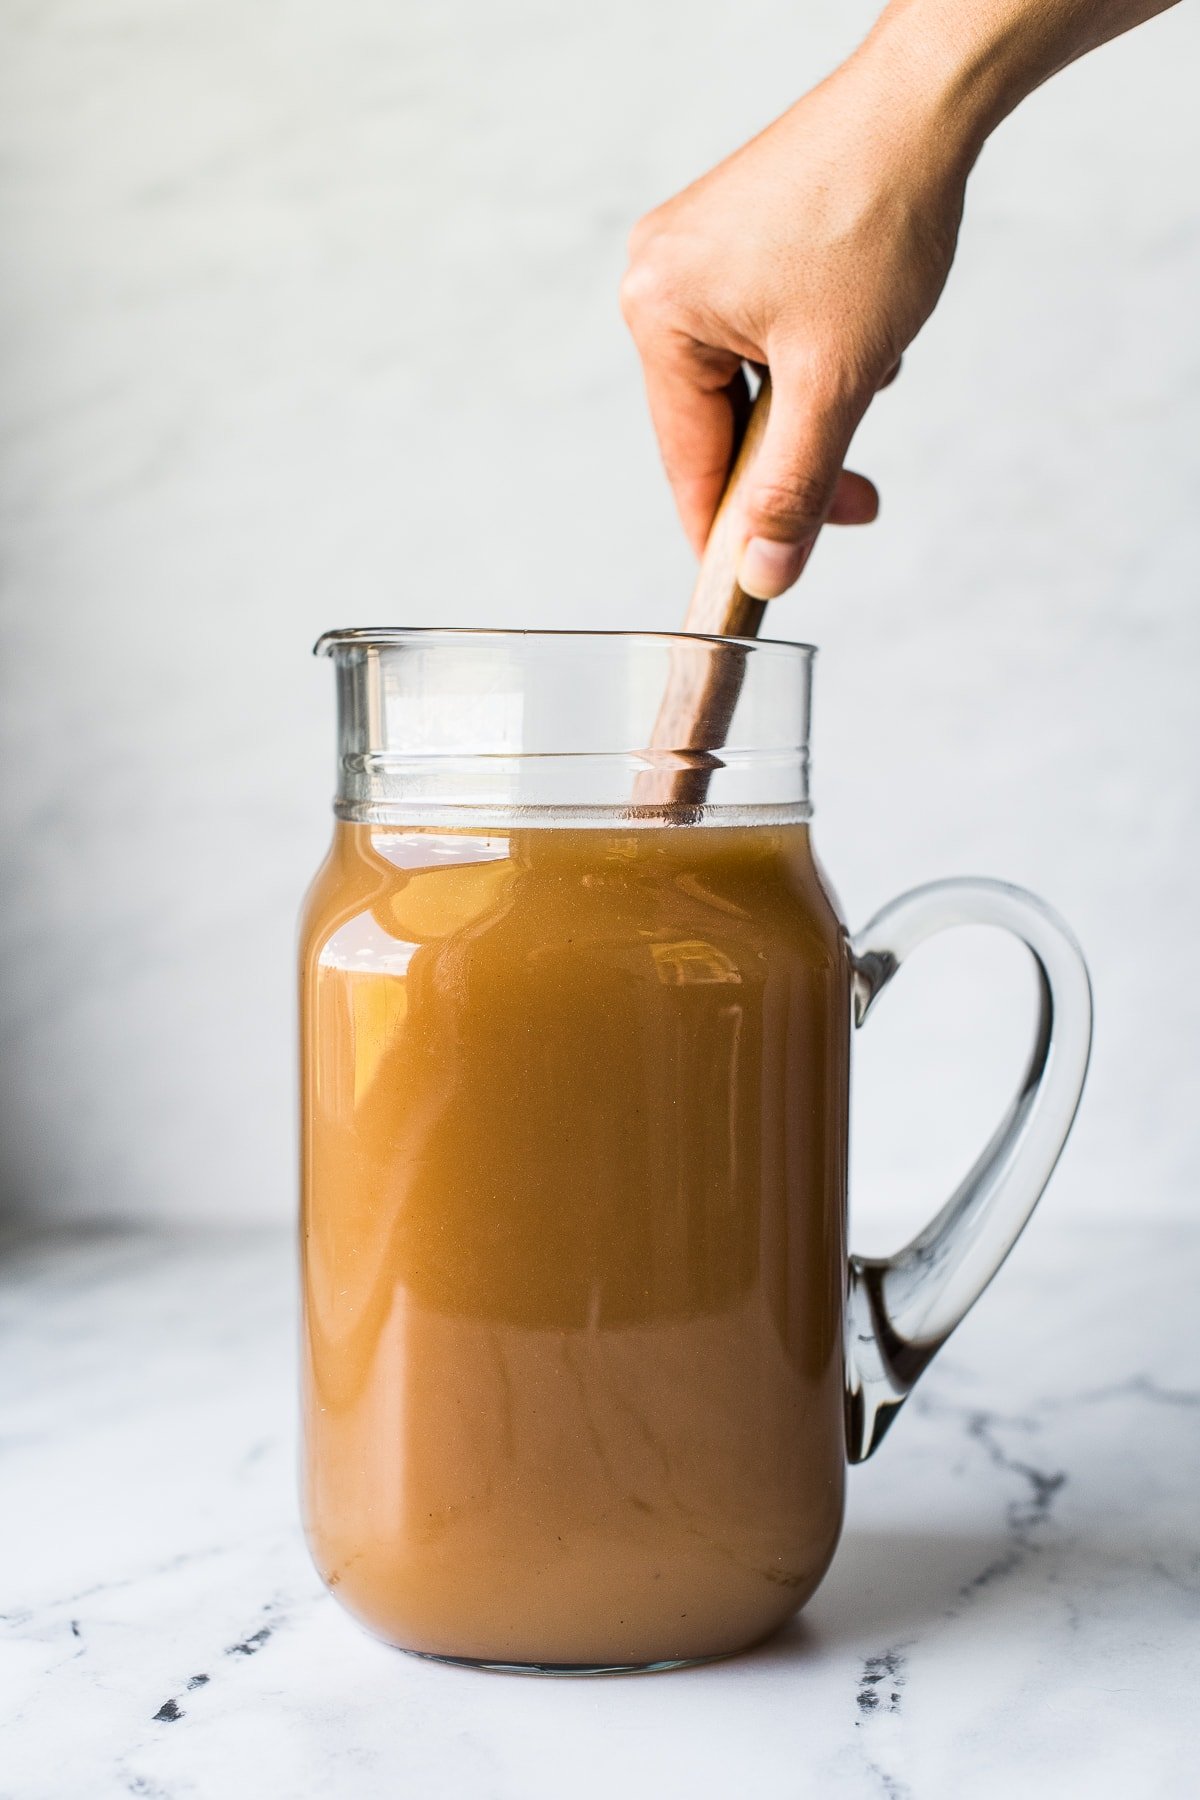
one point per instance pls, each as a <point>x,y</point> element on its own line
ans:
<point>768,568</point>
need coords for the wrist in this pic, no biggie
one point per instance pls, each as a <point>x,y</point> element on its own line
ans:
<point>955,70</point>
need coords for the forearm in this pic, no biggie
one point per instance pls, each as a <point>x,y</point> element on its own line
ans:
<point>966,64</point>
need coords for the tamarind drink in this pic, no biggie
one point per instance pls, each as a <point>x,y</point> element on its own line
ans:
<point>574,1175</point>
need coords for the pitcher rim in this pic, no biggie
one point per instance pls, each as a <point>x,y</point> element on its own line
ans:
<point>330,642</point>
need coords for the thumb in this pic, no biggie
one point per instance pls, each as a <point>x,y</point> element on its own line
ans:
<point>791,486</point>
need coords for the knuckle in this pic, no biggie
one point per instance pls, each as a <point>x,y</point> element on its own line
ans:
<point>829,375</point>
<point>789,509</point>
<point>833,383</point>
<point>643,291</point>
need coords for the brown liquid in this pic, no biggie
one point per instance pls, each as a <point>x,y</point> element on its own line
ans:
<point>574,1175</point>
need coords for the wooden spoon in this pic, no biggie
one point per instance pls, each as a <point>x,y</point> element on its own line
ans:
<point>703,687</point>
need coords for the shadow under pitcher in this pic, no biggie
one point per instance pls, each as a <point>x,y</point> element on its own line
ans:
<point>584,1355</point>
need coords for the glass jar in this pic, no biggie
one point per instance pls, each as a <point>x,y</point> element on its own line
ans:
<point>584,1355</point>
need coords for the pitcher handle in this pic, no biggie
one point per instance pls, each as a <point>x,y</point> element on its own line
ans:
<point>902,1308</point>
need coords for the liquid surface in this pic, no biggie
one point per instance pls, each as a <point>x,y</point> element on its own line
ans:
<point>574,1180</point>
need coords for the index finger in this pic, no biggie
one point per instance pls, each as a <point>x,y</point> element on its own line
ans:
<point>698,399</point>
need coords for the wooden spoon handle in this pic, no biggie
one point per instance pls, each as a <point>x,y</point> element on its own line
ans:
<point>702,687</point>
<point>718,605</point>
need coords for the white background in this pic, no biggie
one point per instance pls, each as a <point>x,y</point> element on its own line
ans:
<point>308,318</point>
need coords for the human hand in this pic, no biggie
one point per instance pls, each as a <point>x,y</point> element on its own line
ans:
<point>818,250</point>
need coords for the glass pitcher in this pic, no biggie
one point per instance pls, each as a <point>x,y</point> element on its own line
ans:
<point>584,1353</point>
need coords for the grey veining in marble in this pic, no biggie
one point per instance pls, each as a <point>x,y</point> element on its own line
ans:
<point>1015,1608</point>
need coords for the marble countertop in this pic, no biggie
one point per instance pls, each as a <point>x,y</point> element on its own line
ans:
<point>1015,1608</point>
